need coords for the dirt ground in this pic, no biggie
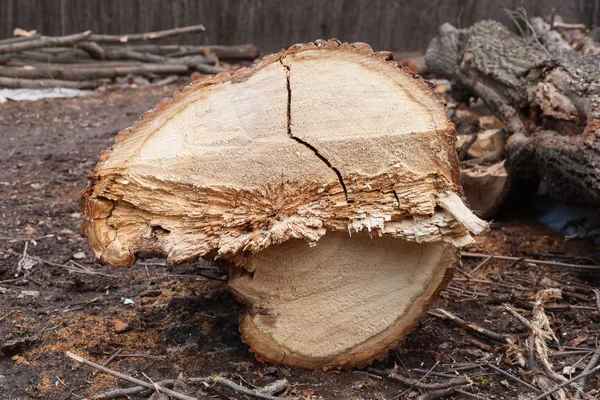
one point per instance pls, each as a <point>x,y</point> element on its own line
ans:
<point>184,321</point>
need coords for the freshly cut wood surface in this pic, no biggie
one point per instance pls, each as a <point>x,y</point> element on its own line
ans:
<point>342,302</point>
<point>311,146</point>
<point>486,187</point>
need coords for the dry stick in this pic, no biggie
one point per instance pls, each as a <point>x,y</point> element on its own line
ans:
<point>243,390</point>
<point>129,378</point>
<point>113,394</point>
<point>75,270</point>
<point>481,264</point>
<point>513,377</point>
<point>529,260</point>
<point>110,359</point>
<point>49,83</point>
<point>117,393</point>
<point>2,318</point>
<point>471,395</point>
<point>90,72</point>
<point>441,313</point>
<point>593,362</point>
<point>18,39</point>
<point>146,36</point>
<point>595,358</point>
<point>518,316</point>
<point>233,52</point>
<point>43,42</point>
<point>562,385</point>
<point>429,386</point>
<point>124,54</point>
<point>436,394</point>
<point>93,49</point>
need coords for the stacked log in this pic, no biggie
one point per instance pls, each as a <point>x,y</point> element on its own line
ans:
<point>88,60</point>
<point>544,89</point>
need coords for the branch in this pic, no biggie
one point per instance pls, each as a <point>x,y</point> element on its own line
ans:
<point>137,37</point>
<point>131,379</point>
<point>44,41</point>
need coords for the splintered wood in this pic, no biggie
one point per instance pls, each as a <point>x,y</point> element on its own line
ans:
<point>324,177</point>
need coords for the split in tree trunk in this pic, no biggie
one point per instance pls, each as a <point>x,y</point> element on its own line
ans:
<point>325,178</point>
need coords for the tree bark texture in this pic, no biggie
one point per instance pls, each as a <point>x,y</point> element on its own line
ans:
<point>548,99</point>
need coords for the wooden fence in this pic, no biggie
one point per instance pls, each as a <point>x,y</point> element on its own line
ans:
<point>272,24</point>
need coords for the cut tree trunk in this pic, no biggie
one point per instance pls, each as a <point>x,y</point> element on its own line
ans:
<point>324,177</point>
<point>548,99</point>
<point>486,187</point>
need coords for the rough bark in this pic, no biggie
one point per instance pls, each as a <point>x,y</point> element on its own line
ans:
<point>325,177</point>
<point>548,99</point>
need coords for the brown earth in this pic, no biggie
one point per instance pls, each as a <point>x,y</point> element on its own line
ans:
<point>184,320</point>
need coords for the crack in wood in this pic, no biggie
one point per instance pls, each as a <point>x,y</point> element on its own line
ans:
<point>302,142</point>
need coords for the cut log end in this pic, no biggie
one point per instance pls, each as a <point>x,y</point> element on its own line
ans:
<point>342,303</point>
<point>313,144</point>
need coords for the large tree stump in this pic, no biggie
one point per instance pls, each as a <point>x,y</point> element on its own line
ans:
<point>548,98</point>
<point>325,177</point>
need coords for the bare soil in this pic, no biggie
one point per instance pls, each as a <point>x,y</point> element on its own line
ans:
<point>184,320</point>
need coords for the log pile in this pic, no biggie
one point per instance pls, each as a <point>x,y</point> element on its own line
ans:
<point>87,60</point>
<point>545,89</point>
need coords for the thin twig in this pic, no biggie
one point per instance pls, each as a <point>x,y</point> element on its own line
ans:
<point>441,313</point>
<point>54,264</point>
<point>243,390</point>
<point>532,261</point>
<point>129,378</point>
<point>513,377</point>
<point>481,264</point>
<point>110,359</point>
<point>562,385</point>
<point>417,383</point>
<point>436,394</point>
<point>2,318</point>
<point>593,362</point>
<point>471,395</point>
<point>518,316</point>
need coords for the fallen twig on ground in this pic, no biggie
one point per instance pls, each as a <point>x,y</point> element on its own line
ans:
<point>142,385</point>
<point>513,377</point>
<point>436,394</point>
<point>532,261</point>
<point>393,374</point>
<point>592,364</point>
<point>54,264</point>
<point>562,385</point>
<point>441,313</point>
<point>129,378</point>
